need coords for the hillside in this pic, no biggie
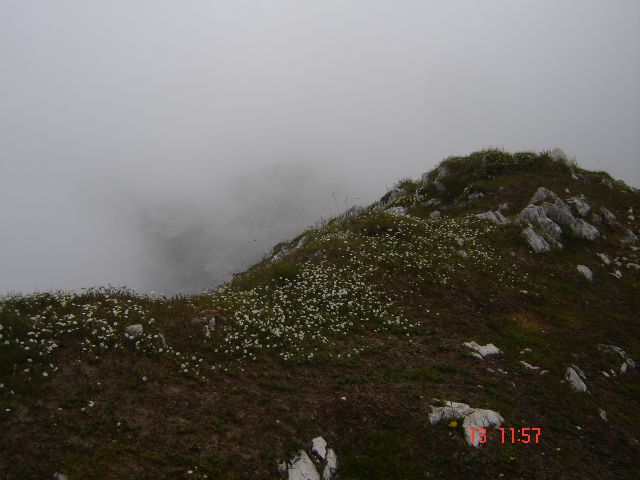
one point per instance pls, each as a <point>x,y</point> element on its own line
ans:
<point>471,284</point>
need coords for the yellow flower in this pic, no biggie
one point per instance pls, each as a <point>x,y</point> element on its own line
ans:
<point>453,424</point>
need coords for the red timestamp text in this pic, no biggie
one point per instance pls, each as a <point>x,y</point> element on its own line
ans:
<point>525,435</point>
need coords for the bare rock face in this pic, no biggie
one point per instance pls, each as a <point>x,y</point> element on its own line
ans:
<point>537,217</point>
<point>495,217</point>
<point>535,241</point>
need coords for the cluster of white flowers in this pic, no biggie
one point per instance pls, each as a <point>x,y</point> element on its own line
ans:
<point>93,319</point>
<point>311,314</point>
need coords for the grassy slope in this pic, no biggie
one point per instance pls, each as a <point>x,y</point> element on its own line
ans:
<point>372,308</point>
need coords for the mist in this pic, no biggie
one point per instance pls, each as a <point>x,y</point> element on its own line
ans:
<point>164,145</point>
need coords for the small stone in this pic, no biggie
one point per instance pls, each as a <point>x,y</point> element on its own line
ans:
<point>435,215</point>
<point>483,350</point>
<point>575,378</point>
<point>586,271</point>
<point>629,237</point>
<point>603,415</point>
<point>475,196</point>
<point>605,259</point>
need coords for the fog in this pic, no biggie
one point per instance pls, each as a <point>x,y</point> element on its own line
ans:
<point>164,145</point>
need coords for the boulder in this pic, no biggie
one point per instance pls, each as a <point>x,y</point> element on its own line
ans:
<point>537,217</point>
<point>450,411</point>
<point>302,467</point>
<point>558,155</point>
<point>535,241</point>
<point>495,217</point>
<point>435,215</point>
<point>580,205</point>
<point>541,194</point>
<point>480,418</point>
<point>609,218</point>
<point>560,213</point>
<point>473,418</point>
<point>331,467</point>
<point>319,447</point>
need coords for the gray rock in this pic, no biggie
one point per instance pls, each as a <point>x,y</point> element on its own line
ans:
<point>475,196</point>
<point>397,210</point>
<point>609,218</point>
<point>560,213</point>
<point>392,195</point>
<point>537,217</point>
<point>432,202</point>
<point>541,194</point>
<point>635,266</point>
<point>581,206</point>
<point>435,215</point>
<point>134,330</point>
<point>586,271</point>
<point>575,377</point>
<point>495,217</point>
<point>558,155</point>
<point>319,447</point>
<point>629,237</point>
<point>605,259</point>
<point>331,467</point>
<point>535,241</point>
<point>302,467</point>
<point>60,476</point>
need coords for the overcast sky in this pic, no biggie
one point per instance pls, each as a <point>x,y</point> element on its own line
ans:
<point>165,144</point>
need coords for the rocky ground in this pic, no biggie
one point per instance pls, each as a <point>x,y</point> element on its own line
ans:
<point>481,322</point>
